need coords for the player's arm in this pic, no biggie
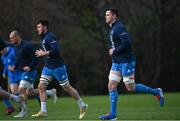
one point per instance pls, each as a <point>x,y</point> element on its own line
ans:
<point>5,72</point>
<point>5,69</point>
<point>124,37</point>
<point>110,47</point>
<point>32,65</point>
<point>54,48</point>
<point>41,53</point>
<point>53,51</point>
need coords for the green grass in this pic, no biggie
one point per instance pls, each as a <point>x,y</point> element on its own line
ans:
<point>130,107</point>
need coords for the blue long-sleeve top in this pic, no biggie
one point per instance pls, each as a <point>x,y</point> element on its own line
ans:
<point>8,59</point>
<point>25,55</point>
<point>50,43</point>
<point>119,40</point>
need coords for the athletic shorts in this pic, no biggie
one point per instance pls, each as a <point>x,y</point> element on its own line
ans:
<point>126,69</point>
<point>29,76</point>
<point>60,74</point>
<point>14,77</point>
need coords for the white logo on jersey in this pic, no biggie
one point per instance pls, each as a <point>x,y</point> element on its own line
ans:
<point>63,76</point>
<point>44,48</point>
<point>26,77</point>
<point>128,71</point>
<point>123,33</point>
<point>53,41</point>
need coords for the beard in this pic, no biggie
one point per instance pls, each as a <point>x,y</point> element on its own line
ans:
<point>42,34</point>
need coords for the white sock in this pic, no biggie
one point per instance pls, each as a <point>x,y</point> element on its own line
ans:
<point>80,103</point>
<point>49,92</point>
<point>43,107</point>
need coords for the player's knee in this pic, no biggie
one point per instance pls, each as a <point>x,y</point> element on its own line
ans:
<point>130,87</point>
<point>30,91</point>
<point>41,87</point>
<point>14,88</point>
<point>129,82</point>
<point>44,81</point>
<point>114,77</point>
<point>112,85</point>
<point>66,87</point>
<point>14,91</point>
<point>22,90</point>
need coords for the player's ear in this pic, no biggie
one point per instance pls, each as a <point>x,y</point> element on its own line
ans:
<point>45,27</point>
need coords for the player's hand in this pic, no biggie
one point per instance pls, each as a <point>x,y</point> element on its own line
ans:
<point>111,51</point>
<point>4,76</point>
<point>26,68</point>
<point>40,53</point>
<point>12,68</point>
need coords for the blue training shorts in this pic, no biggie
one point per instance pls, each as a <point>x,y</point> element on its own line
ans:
<point>29,76</point>
<point>126,69</point>
<point>60,74</point>
<point>14,77</point>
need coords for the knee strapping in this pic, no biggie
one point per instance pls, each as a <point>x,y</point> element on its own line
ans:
<point>128,80</point>
<point>44,80</point>
<point>64,83</point>
<point>114,77</point>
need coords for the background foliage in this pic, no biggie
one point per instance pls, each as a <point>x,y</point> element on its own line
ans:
<point>154,26</point>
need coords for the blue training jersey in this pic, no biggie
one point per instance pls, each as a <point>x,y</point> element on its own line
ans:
<point>25,55</point>
<point>8,59</point>
<point>50,43</point>
<point>119,40</point>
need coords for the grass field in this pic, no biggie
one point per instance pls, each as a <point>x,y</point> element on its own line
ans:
<point>130,107</point>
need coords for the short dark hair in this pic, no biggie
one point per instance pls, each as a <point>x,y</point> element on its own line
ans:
<point>113,10</point>
<point>44,22</point>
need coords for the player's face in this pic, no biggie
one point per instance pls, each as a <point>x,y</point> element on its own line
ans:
<point>13,39</point>
<point>40,29</point>
<point>109,17</point>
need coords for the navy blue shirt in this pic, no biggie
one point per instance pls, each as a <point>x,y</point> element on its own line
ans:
<point>119,40</point>
<point>25,55</point>
<point>50,43</point>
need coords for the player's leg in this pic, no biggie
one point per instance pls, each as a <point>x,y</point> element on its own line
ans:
<point>27,81</point>
<point>22,91</point>
<point>10,109</point>
<point>43,96</point>
<point>14,80</point>
<point>19,99</point>
<point>6,95</point>
<point>128,78</point>
<point>31,79</point>
<point>61,75</point>
<point>73,93</point>
<point>35,92</point>
<point>14,90</point>
<point>114,79</point>
<point>44,82</point>
<point>14,87</point>
<point>53,94</point>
